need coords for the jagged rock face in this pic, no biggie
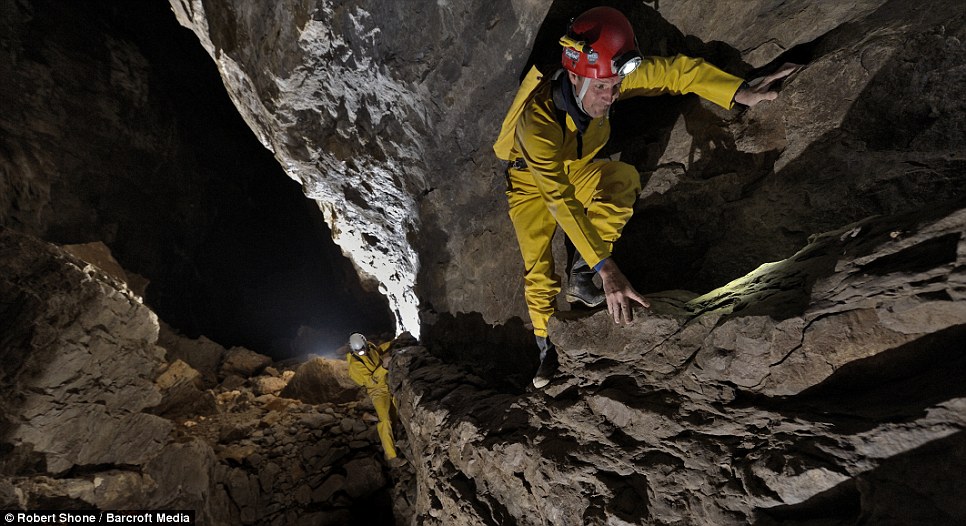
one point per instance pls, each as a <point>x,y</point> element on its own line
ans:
<point>822,388</point>
<point>66,105</point>
<point>115,130</point>
<point>95,414</point>
<point>868,128</point>
<point>386,124</point>
<point>54,368</point>
<point>389,128</point>
<point>807,390</point>
<point>79,363</point>
<point>712,410</point>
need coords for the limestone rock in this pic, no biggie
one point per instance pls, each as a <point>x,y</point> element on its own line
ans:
<point>181,474</point>
<point>321,380</point>
<point>263,385</point>
<point>819,378</point>
<point>201,354</point>
<point>81,359</point>
<point>703,410</point>
<point>97,419</point>
<point>243,362</point>
<point>363,477</point>
<point>99,255</point>
<point>181,392</point>
<point>763,30</point>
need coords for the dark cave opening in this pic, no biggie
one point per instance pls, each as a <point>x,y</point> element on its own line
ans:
<point>257,266</point>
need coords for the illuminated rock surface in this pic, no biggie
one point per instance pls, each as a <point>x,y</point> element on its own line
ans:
<point>97,414</point>
<point>709,410</point>
<point>803,363</point>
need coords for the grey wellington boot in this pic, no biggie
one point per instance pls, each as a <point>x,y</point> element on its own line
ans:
<point>548,363</point>
<point>581,286</point>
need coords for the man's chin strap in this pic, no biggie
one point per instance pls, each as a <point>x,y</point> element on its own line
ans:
<point>580,95</point>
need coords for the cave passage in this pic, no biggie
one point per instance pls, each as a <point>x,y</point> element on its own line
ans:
<point>261,270</point>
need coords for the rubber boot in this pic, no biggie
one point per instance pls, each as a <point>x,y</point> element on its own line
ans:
<point>581,286</point>
<point>548,362</point>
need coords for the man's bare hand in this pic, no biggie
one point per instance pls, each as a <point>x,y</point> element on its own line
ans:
<point>759,89</point>
<point>620,293</point>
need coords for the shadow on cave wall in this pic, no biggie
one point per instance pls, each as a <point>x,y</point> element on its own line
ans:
<point>254,263</point>
<point>506,356</point>
<point>896,386</point>
<point>704,237</point>
<point>724,227</point>
<point>901,490</point>
<point>501,352</point>
<point>660,250</point>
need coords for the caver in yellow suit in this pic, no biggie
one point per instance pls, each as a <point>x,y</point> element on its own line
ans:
<point>367,370</point>
<point>553,178</point>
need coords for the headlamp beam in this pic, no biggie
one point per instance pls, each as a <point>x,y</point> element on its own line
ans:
<point>625,64</point>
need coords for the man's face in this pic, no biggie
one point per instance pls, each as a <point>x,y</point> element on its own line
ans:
<point>600,95</point>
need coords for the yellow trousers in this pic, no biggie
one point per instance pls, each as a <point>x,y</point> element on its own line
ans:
<point>383,402</point>
<point>607,189</point>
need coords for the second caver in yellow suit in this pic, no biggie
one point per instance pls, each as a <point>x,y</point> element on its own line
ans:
<point>557,180</point>
<point>367,371</point>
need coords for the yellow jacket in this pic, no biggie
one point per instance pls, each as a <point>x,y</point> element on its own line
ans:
<point>551,153</point>
<point>366,370</point>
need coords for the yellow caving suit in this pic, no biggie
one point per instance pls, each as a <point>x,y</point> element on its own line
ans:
<point>590,199</point>
<point>367,371</point>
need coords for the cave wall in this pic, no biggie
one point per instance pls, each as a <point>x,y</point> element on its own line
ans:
<point>742,405</point>
<point>115,128</point>
<point>68,99</point>
<point>103,407</point>
<point>871,127</point>
<point>824,388</point>
<point>388,127</point>
<point>820,389</point>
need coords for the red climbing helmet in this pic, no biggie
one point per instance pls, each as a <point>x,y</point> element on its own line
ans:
<point>600,44</point>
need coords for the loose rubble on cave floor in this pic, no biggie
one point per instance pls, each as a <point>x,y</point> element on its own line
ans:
<point>284,460</point>
<point>105,406</point>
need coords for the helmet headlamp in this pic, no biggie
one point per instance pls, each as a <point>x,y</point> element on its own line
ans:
<point>600,44</point>
<point>358,343</point>
<point>627,63</point>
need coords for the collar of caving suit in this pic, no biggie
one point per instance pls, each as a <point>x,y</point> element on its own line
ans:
<point>564,99</point>
<point>373,352</point>
<point>366,360</point>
